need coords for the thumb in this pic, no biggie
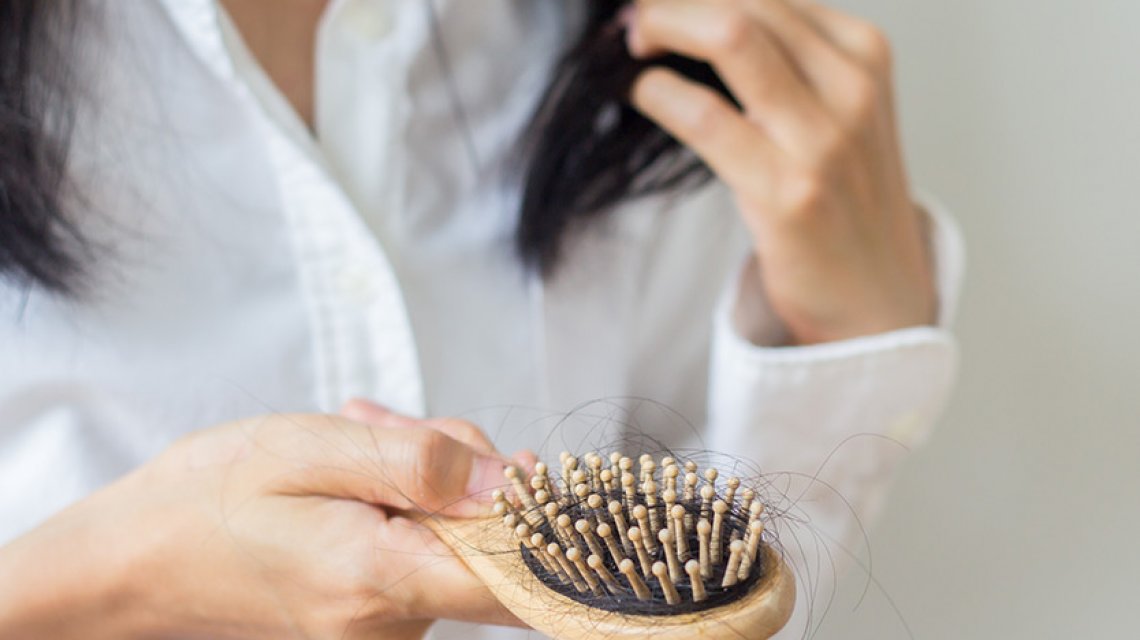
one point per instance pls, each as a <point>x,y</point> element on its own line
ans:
<point>413,469</point>
<point>376,415</point>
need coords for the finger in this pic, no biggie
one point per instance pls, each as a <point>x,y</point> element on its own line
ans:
<point>637,46</point>
<point>525,460</point>
<point>703,120</point>
<point>465,432</point>
<point>434,582</point>
<point>862,98</point>
<point>723,35</point>
<point>416,468</point>
<point>830,72</point>
<point>806,43</point>
<point>746,56</point>
<point>369,412</point>
<point>859,39</point>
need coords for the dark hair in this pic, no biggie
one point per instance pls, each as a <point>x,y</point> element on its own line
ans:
<point>584,151</point>
<point>587,149</point>
<point>38,242</point>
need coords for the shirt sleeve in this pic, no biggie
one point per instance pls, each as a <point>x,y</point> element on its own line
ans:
<point>828,424</point>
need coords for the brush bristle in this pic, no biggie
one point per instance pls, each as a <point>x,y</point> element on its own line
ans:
<point>663,541</point>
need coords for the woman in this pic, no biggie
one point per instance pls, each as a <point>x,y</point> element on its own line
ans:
<point>279,209</point>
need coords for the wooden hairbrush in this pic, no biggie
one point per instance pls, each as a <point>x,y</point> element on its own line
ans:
<point>599,552</point>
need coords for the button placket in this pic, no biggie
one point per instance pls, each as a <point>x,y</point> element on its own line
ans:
<point>355,283</point>
<point>367,19</point>
<point>356,306</point>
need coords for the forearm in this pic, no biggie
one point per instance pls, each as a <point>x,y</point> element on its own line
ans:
<point>64,580</point>
<point>838,415</point>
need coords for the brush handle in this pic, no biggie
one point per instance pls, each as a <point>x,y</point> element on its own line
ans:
<point>494,556</point>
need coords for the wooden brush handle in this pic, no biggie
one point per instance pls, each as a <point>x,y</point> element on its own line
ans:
<point>494,556</point>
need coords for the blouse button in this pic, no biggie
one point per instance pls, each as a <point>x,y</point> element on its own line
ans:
<point>355,282</point>
<point>906,427</point>
<point>367,19</point>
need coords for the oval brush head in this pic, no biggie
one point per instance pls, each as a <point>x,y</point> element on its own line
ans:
<point>602,549</point>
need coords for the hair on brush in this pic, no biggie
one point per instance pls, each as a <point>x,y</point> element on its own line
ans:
<point>601,549</point>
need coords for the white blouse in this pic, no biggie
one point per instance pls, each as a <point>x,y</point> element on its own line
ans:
<point>243,265</point>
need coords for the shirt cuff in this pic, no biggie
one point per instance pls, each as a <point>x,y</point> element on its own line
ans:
<point>837,417</point>
<point>739,366</point>
<point>770,335</point>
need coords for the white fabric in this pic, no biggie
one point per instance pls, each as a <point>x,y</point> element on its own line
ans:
<point>246,266</point>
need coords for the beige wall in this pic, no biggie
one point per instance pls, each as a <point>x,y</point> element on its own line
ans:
<point>1022,517</point>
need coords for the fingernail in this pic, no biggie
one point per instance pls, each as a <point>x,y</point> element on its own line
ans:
<point>526,460</point>
<point>486,476</point>
<point>627,18</point>
<point>626,15</point>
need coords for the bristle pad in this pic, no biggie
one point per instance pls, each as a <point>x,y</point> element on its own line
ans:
<point>641,543</point>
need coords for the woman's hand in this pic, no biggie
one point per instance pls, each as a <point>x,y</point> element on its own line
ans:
<point>275,527</point>
<point>812,155</point>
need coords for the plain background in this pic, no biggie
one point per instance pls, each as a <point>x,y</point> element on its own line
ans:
<point>1021,518</point>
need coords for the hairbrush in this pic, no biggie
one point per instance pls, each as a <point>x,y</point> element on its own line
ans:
<point>600,550</point>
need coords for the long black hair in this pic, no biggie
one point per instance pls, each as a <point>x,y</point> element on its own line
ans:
<point>584,151</point>
<point>39,243</point>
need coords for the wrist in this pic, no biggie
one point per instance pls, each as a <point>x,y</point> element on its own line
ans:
<point>752,316</point>
<point>66,579</point>
<point>909,300</point>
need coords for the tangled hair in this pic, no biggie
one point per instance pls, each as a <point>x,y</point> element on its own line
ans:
<point>635,426</point>
<point>814,551</point>
<point>584,151</point>
<point>732,523</point>
<point>631,425</point>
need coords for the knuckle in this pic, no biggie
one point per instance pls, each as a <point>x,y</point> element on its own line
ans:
<point>427,455</point>
<point>834,144</point>
<point>705,116</point>
<point>862,98</point>
<point>875,46</point>
<point>735,32</point>
<point>429,445</point>
<point>461,429</point>
<point>804,193</point>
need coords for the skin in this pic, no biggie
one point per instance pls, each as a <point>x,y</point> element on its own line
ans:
<point>281,35</point>
<point>813,157</point>
<point>285,526</point>
<point>302,527</point>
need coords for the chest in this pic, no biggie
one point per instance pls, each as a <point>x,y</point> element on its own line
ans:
<point>286,272</point>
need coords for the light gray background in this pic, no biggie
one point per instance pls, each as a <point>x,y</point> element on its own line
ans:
<point>1021,519</point>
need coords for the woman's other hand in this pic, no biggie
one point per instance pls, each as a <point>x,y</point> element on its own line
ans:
<point>276,527</point>
<point>812,155</point>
